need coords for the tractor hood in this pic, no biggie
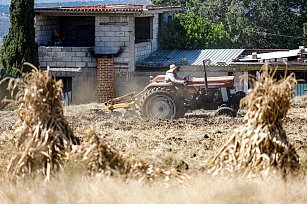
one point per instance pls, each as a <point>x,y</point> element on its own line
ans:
<point>213,82</point>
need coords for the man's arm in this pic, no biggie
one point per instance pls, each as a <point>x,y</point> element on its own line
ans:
<point>172,78</point>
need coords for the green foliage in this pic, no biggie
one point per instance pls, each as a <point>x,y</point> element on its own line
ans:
<point>242,23</point>
<point>191,31</point>
<point>19,45</point>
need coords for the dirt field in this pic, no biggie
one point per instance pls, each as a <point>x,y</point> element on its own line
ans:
<point>188,144</point>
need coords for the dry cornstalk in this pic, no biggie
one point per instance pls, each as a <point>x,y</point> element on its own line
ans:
<point>260,145</point>
<point>42,134</point>
<point>99,158</point>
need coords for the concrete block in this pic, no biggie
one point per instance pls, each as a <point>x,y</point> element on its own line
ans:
<point>124,39</point>
<point>109,34</point>
<point>80,64</point>
<point>80,54</point>
<point>56,49</point>
<point>57,59</point>
<point>63,59</point>
<point>100,44</point>
<point>91,64</point>
<point>84,49</point>
<point>47,59</point>
<point>105,39</point>
<point>76,59</point>
<point>60,54</point>
<point>42,64</point>
<point>119,44</point>
<point>105,28</point>
<point>109,44</point>
<point>70,64</point>
<point>70,54</point>
<point>60,64</point>
<point>100,33</point>
<point>119,34</point>
<point>86,59</point>
<point>114,39</point>
<point>127,34</point>
<point>116,29</point>
<point>76,49</point>
<point>51,64</point>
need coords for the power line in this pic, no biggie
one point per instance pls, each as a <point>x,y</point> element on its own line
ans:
<point>281,35</point>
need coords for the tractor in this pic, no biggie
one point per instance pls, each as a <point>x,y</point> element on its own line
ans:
<point>166,100</point>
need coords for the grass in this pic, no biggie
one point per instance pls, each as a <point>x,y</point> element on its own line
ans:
<point>202,189</point>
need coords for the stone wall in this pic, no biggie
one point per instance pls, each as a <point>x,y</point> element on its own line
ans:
<point>66,57</point>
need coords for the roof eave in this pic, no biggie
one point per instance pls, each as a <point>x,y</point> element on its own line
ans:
<point>74,12</point>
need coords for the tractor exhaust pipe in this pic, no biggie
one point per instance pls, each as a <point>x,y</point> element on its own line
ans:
<point>206,62</point>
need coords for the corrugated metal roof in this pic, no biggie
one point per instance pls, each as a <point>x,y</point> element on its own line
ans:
<point>218,57</point>
<point>111,8</point>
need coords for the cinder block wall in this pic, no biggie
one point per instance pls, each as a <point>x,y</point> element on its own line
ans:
<point>143,50</point>
<point>114,32</point>
<point>83,84</point>
<point>66,57</point>
<point>44,28</point>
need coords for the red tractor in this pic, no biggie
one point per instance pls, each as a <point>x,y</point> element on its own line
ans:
<point>170,101</point>
<point>165,100</point>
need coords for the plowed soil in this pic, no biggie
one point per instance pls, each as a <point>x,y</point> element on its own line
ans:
<point>187,143</point>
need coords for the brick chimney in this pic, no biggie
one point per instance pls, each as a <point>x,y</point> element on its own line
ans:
<point>105,79</point>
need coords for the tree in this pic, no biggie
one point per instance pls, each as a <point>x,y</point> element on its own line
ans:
<point>257,23</point>
<point>19,45</point>
<point>191,31</point>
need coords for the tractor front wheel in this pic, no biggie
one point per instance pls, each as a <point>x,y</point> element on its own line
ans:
<point>161,103</point>
<point>225,111</point>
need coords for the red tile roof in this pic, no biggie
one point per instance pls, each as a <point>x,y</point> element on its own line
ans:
<point>108,8</point>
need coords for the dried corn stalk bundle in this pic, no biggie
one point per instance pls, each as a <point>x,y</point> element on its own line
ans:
<point>42,133</point>
<point>260,145</point>
<point>99,158</point>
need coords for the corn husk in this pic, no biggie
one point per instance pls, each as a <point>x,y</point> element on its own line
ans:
<point>99,158</point>
<point>260,147</point>
<point>42,135</point>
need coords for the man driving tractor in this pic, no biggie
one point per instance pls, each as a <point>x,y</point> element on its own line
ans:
<point>173,76</point>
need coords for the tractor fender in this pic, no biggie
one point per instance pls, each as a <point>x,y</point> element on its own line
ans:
<point>158,84</point>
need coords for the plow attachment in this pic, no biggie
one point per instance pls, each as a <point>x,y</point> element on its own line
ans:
<point>128,101</point>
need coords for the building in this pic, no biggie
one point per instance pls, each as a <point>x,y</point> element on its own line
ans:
<point>284,61</point>
<point>90,47</point>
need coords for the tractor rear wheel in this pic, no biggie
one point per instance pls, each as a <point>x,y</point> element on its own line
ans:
<point>226,111</point>
<point>161,103</point>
